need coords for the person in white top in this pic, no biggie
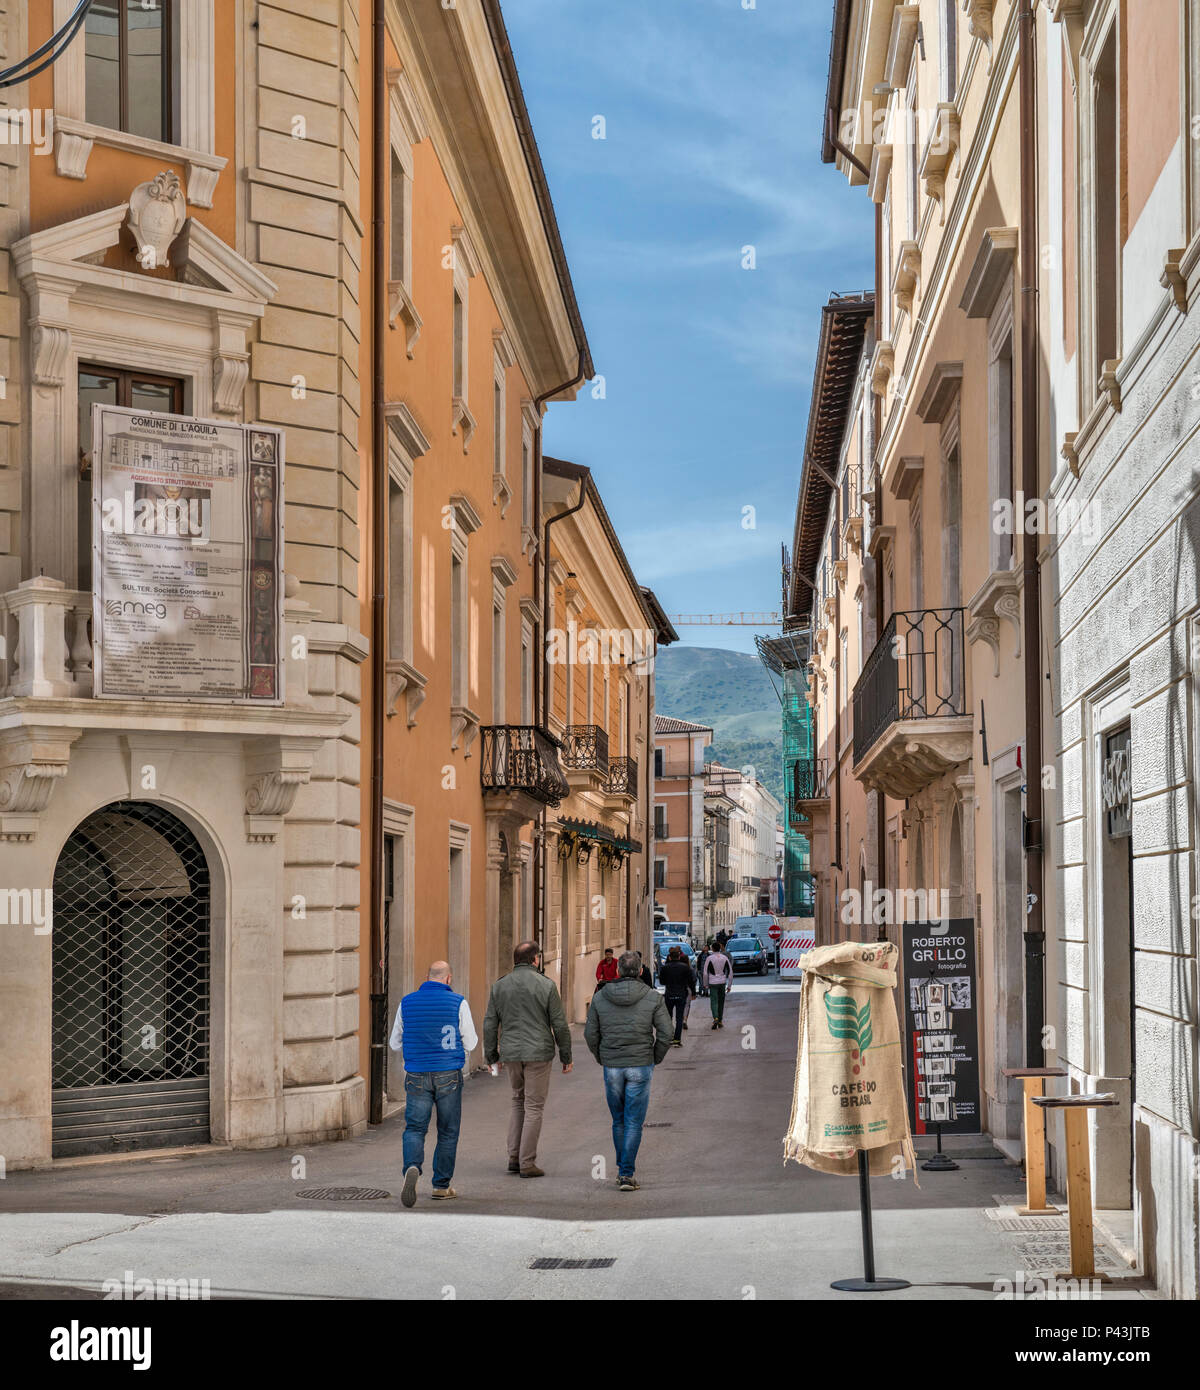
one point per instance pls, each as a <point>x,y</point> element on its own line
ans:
<point>718,976</point>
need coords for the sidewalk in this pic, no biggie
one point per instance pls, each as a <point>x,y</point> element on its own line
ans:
<point>719,1216</point>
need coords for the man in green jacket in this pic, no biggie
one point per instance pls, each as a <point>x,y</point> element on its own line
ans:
<point>629,1032</point>
<point>524,1021</point>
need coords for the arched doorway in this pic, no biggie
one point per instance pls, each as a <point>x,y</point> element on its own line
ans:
<point>131,984</point>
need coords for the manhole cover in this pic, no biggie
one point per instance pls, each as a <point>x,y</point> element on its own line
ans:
<point>344,1194</point>
<point>555,1262</point>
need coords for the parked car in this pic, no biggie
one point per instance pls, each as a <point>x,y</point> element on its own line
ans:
<point>663,946</point>
<point>746,953</point>
<point>760,926</point>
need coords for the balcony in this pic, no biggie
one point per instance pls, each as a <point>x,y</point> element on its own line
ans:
<point>725,888</point>
<point>911,720</point>
<point>809,792</point>
<point>621,785</point>
<point>585,757</point>
<point>521,761</point>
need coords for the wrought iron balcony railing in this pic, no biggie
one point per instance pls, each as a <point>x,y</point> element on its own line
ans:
<point>916,671</point>
<point>810,779</point>
<point>522,757</point>
<point>622,777</point>
<point>725,888</point>
<point>585,748</point>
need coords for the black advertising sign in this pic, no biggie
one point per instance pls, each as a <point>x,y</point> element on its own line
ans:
<point>941,1011</point>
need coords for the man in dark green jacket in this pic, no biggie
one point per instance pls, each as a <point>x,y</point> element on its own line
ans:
<point>628,1031</point>
<point>524,1021</point>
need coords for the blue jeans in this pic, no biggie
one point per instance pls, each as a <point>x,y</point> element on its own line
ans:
<point>628,1092</point>
<point>425,1091</point>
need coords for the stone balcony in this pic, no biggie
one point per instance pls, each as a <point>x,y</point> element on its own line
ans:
<point>911,713</point>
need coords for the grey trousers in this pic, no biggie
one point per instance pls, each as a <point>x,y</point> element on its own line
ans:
<point>530,1082</point>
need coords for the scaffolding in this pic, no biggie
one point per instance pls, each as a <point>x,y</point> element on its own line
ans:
<point>787,657</point>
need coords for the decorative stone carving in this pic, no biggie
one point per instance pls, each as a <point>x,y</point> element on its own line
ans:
<point>276,769</point>
<point>882,365</point>
<point>51,349</point>
<point>401,309</point>
<point>979,19</point>
<point>1173,278</point>
<point>464,726</point>
<point>1069,452</point>
<point>71,154</point>
<point>157,212</point>
<point>462,421</point>
<point>33,759</point>
<point>907,273</point>
<point>404,679</point>
<point>998,599</point>
<point>230,374</point>
<point>501,493</point>
<point>202,182</point>
<point>1108,384</point>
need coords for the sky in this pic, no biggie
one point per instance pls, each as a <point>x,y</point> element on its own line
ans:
<point>711,116</point>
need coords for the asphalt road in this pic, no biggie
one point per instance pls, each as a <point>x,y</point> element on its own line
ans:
<point>718,1215</point>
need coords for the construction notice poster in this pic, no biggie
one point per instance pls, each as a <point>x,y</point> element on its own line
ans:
<point>941,1001</point>
<point>797,937</point>
<point>187,546</point>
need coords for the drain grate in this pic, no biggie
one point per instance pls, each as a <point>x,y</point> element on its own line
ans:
<point>556,1262</point>
<point>344,1194</point>
<point>659,1124</point>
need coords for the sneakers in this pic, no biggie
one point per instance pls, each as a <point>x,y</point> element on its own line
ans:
<point>627,1184</point>
<point>533,1171</point>
<point>716,1025</point>
<point>408,1193</point>
<point>514,1167</point>
<point>676,1042</point>
<point>444,1194</point>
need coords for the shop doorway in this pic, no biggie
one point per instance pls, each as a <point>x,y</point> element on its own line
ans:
<point>131,984</point>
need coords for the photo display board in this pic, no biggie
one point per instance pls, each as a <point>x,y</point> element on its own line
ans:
<point>187,550</point>
<point>941,1011</point>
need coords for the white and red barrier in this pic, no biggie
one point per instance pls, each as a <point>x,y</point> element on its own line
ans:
<point>798,937</point>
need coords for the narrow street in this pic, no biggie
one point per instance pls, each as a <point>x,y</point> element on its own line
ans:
<point>719,1216</point>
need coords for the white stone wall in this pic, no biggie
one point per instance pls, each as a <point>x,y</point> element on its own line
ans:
<point>1121,608</point>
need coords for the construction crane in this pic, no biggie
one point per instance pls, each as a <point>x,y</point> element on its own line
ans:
<point>725,619</point>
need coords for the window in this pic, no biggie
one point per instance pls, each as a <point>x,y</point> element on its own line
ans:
<point>526,673</point>
<point>397,554</point>
<point>460,328</point>
<point>127,66</point>
<point>660,873</point>
<point>113,386</point>
<point>658,762</point>
<point>499,703</point>
<point>399,221</point>
<point>917,553</point>
<point>1106,208</point>
<point>913,154</point>
<point>885,318</point>
<point>948,49</point>
<point>498,425</point>
<point>458,628</point>
<point>1000,431</point>
<point>527,477</point>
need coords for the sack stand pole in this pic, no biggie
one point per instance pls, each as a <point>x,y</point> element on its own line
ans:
<point>868,1283</point>
<point>939,1162</point>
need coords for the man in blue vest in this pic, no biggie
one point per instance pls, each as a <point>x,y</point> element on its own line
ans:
<point>434,1030</point>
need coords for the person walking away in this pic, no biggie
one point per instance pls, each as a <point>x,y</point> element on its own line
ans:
<point>628,1031</point>
<point>523,1024</point>
<point>434,1032</point>
<point>700,962</point>
<point>718,975</point>
<point>679,984</point>
<point>606,971</point>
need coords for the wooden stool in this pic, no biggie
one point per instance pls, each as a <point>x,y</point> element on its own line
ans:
<point>1033,1080</point>
<point>1079,1176</point>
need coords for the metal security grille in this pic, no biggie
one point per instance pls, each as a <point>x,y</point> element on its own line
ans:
<point>131,977</point>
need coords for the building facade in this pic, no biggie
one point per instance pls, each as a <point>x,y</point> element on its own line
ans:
<point>679,826</point>
<point>604,631</point>
<point>299,220</point>
<point>1033,318</point>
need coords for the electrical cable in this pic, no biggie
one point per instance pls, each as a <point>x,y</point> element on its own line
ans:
<point>55,45</point>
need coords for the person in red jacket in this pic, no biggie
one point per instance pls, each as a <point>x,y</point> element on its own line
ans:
<point>606,971</point>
